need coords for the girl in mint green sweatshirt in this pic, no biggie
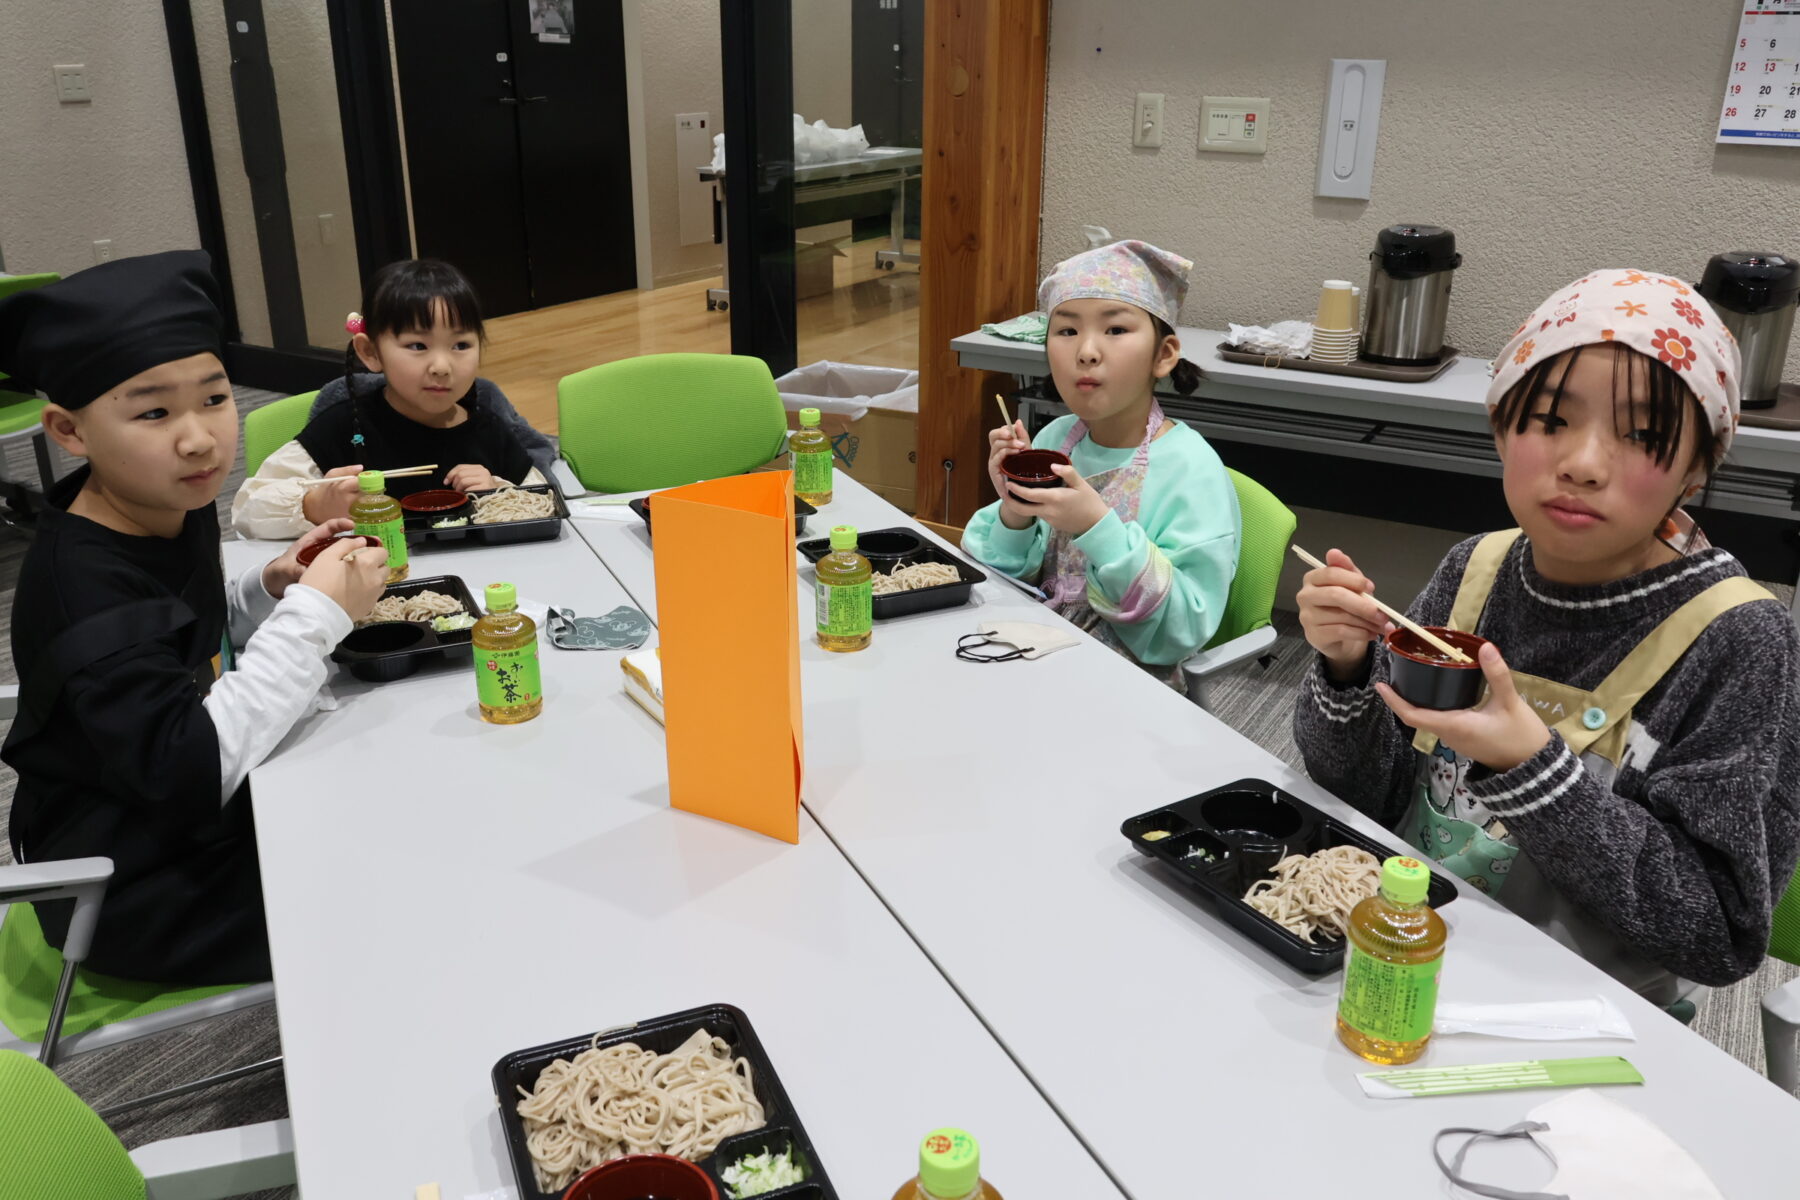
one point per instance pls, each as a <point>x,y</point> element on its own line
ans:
<point>1139,545</point>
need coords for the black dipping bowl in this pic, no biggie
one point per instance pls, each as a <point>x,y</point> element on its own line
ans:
<point>1425,676</point>
<point>385,639</point>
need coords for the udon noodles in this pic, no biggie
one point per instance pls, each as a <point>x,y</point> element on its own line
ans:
<point>623,1099</point>
<point>512,503</point>
<point>919,575</point>
<point>420,606</point>
<point>1314,893</point>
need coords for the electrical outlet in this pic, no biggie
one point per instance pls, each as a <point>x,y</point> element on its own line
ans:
<point>1147,120</point>
<point>103,250</point>
<point>327,229</point>
<point>1234,124</point>
<point>72,83</point>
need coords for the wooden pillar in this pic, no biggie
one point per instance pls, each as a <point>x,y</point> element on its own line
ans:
<point>983,168</point>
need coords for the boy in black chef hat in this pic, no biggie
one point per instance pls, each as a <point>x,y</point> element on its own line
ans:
<point>129,743</point>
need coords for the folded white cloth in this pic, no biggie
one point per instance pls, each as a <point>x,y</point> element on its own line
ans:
<point>643,680</point>
<point>1540,1021</point>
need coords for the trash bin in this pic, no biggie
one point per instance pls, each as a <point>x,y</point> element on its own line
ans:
<point>871,415</point>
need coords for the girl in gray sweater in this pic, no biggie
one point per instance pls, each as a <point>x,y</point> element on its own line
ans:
<point>1629,783</point>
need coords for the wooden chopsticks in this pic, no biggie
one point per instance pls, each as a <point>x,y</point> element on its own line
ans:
<point>1399,618</point>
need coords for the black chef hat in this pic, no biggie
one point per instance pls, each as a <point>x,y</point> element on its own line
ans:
<point>77,339</point>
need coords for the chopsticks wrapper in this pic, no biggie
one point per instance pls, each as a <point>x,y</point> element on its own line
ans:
<point>1415,1082</point>
<point>729,632</point>
<point>624,628</point>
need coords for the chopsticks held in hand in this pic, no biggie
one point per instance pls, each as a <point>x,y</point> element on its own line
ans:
<point>402,473</point>
<point>1399,618</point>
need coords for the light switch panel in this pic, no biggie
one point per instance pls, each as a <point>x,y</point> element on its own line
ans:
<point>1234,124</point>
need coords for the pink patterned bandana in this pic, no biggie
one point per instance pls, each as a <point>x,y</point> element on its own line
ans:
<point>1656,315</point>
<point>1135,272</point>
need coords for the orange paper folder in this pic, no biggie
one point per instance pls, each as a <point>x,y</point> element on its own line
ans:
<point>728,624</point>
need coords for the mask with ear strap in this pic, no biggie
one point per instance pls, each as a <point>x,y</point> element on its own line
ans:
<point>1003,641</point>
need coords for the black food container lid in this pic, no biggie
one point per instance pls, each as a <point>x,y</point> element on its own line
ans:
<point>1411,251</point>
<point>1751,281</point>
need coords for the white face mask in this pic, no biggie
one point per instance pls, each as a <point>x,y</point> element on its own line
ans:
<point>1001,641</point>
<point>1602,1150</point>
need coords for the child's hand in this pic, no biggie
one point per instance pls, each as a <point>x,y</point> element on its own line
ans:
<point>1338,616</point>
<point>328,501</point>
<point>287,569</point>
<point>1005,440</point>
<point>471,477</point>
<point>1073,508</point>
<point>352,573</point>
<point>1499,733</point>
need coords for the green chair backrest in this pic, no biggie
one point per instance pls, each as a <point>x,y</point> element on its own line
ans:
<point>273,426</point>
<point>1784,934</point>
<point>662,420</point>
<point>24,283</point>
<point>51,1144</point>
<point>30,967</point>
<point>1267,528</point>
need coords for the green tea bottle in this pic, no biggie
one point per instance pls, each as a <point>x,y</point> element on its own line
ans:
<point>1391,972</point>
<point>845,595</point>
<point>507,684</point>
<point>812,460</point>
<point>378,514</point>
<point>949,1169</point>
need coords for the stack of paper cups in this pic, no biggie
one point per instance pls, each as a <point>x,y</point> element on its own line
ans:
<point>1334,331</point>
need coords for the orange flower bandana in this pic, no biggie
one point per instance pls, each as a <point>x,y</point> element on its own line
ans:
<point>1656,315</point>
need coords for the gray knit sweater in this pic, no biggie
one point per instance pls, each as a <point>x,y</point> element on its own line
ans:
<point>1671,867</point>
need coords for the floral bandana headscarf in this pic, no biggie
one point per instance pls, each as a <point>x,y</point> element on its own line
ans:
<point>1658,316</point>
<point>1135,272</point>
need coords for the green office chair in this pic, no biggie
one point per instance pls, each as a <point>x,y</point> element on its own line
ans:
<point>53,1008</point>
<point>1781,1007</point>
<point>1244,631</point>
<point>273,426</point>
<point>662,420</point>
<point>51,1144</point>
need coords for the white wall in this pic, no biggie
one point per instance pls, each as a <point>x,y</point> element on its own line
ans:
<point>112,168</point>
<point>679,50</point>
<point>1553,137</point>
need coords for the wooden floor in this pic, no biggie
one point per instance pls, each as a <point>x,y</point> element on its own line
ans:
<point>871,316</point>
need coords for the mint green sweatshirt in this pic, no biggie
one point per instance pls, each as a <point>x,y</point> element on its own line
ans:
<point>1176,560</point>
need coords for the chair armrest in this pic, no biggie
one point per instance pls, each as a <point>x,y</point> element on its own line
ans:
<point>1215,659</point>
<point>1781,1021</point>
<point>563,476</point>
<point>82,880</point>
<point>219,1163</point>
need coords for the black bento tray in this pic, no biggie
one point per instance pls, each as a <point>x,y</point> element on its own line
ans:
<point>1251,811</point>
<point>538,529</point>
<point>384,666</point>
<point>802,510</point>
<point>781,1129</point>
<point>918,600</point>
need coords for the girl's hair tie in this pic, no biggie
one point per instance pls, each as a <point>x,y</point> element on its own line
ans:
<point>354,323</point>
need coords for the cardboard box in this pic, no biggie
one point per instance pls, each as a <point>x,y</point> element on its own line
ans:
<point>880,450</point>
<point>815,267</point>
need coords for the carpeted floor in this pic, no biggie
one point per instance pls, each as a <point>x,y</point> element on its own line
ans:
<point>1257,702</point>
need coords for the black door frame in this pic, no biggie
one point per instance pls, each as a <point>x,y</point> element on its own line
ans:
<point>372,156</point>
<point>756,42</point>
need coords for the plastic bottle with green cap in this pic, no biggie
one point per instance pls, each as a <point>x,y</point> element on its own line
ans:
<point>844,595</point>
<point>505,641</point>
<point>378,514</point>
<point>949,1169</point>
<point>812,460</point>
<point>1391,971</point>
